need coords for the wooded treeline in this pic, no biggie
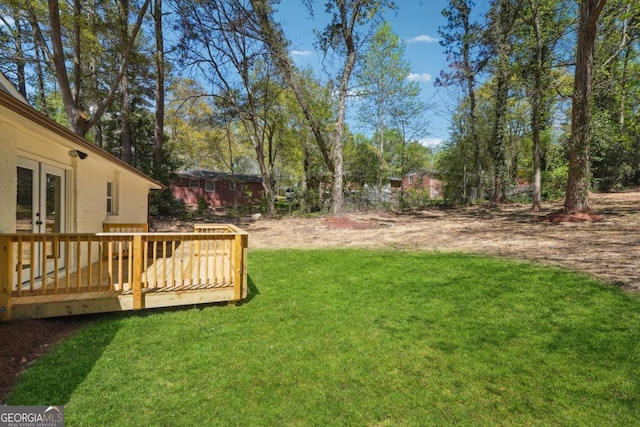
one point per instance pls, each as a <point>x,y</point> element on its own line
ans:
<point>548,97</point>
<point>211,84</point>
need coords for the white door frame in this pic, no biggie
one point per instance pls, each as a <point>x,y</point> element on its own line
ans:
<point>42,214</point>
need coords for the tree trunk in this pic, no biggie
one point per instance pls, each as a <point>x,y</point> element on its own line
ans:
<point>469,76</point>
<point>498,133</point>
<point>78,121</point>
<point>77,70</point>
<point>125,109</point>
<point>577,195</point>
<point>20,61</point>
<point>93,71</point>
<point>305,199</point>
<point>380,164</point>
<point>41,97</point>
<point>536,112</point>
<point>125,121</point>
<point>337,196</point>
<point>159,124</point>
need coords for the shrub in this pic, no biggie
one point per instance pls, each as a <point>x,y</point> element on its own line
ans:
<point>163,203</point>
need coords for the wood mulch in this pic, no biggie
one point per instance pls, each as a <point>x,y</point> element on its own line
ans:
<point>23,341</point>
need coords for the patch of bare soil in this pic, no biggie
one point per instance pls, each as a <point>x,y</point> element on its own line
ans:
<point>604,244</point>
<point>577,216</point>
<point>348,223</point>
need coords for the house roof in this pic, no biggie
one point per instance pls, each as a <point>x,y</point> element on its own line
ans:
<point>220,176</point>
<point>429,172</point>
<point>21,107</point>
<point>7,87</point>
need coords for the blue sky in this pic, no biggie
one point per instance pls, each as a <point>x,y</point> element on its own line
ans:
<point>415,21</point>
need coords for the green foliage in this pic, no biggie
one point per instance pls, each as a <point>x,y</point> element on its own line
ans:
<point>419,198</point>
<point>163,203</point>
<point>555,182</point>
<point>361,162</point>
<point>203,206</point>
<point>354,337</point>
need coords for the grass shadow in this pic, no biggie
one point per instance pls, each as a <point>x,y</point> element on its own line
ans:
<point>55,376</point>
<point>253,291</point>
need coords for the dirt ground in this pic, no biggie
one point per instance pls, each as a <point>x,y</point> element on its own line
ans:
<point>608,249</point>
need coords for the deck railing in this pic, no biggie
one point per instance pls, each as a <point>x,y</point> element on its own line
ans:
<point>122,262</point>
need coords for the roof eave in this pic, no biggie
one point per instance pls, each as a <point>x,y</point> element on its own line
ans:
<point>40,119</point>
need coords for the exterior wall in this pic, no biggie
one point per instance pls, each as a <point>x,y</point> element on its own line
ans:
<point>130,196</point>
<point>223,196</point>
<point>7,178</point>
<point>423,182</point>
<point>86,180</point>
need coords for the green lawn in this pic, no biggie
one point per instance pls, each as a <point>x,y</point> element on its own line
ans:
<point>361,338</point>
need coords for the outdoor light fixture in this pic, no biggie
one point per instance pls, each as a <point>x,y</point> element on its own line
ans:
<point>78,153</point>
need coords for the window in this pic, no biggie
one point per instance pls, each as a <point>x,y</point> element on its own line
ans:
<point>113,194</point>
<point>194,183</point>
<point>232,185</point>
<point>211,186</point>
<point>110,206</point>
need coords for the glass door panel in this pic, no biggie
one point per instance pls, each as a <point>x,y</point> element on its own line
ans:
<point>39,209</point>
<point>53,203</point>
<point>26,200</point>
<point>52,212</point>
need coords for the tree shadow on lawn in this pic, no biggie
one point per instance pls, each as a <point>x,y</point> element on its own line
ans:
<point>55,377</point>
<point>66,362</point>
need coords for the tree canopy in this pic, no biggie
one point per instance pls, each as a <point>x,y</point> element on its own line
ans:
<point>546,93</point>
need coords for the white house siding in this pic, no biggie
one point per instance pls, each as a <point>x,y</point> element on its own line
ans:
<point>7,178</point>
<point>86,180</point>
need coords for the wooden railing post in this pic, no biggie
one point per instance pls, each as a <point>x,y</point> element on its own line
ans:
<point>245,251</point>
<point>136,287</point>
<point>6,277</point>
<point>238,267</point>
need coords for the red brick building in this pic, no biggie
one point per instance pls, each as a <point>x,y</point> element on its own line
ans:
<point>423,182</point>
<point>218,189</point>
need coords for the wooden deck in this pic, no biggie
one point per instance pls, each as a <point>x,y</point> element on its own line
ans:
<point>123,271</point>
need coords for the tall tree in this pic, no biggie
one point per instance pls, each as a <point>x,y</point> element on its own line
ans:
<point>461,39</point>
<point>125,90</point>
<point>220,43</point>
<point>276,42</point>
<point>383,85</point>
<point>70,87</point>
<point>546,22</point>
<point>577,195</point>
<point>346,35</point>
<point>158,136</point>
<point>502,18</point>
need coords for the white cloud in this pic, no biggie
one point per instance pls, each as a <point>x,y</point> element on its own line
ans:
<point>424,77</point>
<point>423,39</point>
<point>301,52</point>
<point>431,142</point>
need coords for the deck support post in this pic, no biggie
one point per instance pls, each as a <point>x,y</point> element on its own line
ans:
<point>138,303</point>
<point>6,277</point>
<point>238,264</point>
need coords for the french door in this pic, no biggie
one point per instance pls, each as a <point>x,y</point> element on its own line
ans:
<point>40,209</point>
